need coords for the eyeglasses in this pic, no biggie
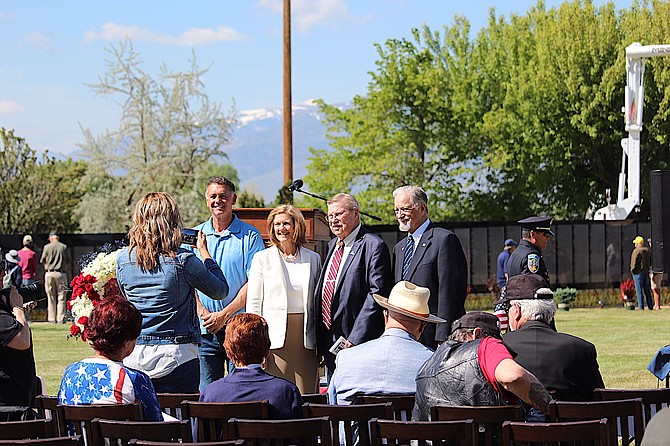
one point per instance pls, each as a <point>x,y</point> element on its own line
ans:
<point>404,210</point>
<point>337,215</point>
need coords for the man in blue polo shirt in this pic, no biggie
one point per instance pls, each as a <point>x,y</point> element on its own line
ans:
<point>232,244</point>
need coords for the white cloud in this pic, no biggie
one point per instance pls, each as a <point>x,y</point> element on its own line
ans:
<point>308,14</point>
<point>7,15</point>
<point>190,37</point>
<point>37,40</point>
<point>10,107</point>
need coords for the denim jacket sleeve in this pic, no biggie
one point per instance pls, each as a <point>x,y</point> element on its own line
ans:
<point>206,277</point>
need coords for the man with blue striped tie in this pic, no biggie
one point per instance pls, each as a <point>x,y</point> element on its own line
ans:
<point>431,257</point>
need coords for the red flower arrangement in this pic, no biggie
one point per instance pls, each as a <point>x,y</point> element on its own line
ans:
<point>627,290</point>
<point>96,281</point>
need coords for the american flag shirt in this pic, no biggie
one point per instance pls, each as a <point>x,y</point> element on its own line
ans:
<point>102,381</point>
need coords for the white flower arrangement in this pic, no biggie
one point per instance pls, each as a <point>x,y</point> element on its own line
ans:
<point>96,281</point>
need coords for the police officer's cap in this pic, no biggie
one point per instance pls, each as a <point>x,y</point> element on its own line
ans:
<point>537,223</point>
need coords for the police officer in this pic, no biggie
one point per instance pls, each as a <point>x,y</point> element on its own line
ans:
<point>527,258</point>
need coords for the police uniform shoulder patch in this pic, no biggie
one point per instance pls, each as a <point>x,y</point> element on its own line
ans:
<point>533,263</point>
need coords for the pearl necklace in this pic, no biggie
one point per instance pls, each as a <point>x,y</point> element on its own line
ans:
<point>290,257</point>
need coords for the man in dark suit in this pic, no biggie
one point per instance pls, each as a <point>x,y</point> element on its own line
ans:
<point>562,362</point>
<point>431,257</point>
<point>358,265</point>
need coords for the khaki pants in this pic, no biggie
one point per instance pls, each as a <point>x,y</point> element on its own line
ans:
<point>55,286</point>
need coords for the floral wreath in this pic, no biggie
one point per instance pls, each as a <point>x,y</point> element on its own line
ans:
<point>96,281</point>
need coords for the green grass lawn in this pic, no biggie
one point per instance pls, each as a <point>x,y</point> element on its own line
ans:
<point>626,341</point>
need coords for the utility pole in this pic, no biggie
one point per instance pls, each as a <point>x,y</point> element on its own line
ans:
<point>288,116</point>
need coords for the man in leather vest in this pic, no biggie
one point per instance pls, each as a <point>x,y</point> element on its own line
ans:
<point>474,368</point>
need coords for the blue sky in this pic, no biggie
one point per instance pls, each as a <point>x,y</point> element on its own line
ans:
<point>50,50</point>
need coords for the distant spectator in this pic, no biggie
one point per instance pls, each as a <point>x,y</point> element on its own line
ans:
<point>640,260</point>
<point>13,273</point>
<point>28,261</point>
<point>613,267</point>
<point>656,277</point>
<point>503,258</point>
<point>56,259</point>
<point>112,330</point>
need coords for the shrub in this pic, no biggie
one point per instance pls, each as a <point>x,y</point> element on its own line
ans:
<point>565,295</point>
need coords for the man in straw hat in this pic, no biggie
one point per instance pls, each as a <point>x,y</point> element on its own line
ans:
<point>474,368</point>
<point>387,365</point>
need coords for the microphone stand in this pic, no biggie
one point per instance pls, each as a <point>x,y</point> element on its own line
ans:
<point>374,217</point>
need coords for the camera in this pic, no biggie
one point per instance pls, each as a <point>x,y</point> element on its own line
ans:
<point>189,236</point>
<point>28,292</point>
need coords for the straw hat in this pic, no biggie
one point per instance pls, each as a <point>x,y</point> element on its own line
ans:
<point>410,300</point>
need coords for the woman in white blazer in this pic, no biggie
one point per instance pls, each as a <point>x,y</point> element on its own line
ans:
<point>281,284</point>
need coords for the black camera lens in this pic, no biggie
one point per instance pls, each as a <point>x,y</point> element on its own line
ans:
<point>29,292</point>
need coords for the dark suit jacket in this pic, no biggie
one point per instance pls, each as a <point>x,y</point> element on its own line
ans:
<point>439,264</point>
<point>560,361</point>
<point>255,384</point>
<point>364,272</point>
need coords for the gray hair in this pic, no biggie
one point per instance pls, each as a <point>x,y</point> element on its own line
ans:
<point>416,194</point>
<point>348,200</point>
<point>536,309</point>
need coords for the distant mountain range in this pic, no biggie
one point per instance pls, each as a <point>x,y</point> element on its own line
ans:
<point>257,147</point>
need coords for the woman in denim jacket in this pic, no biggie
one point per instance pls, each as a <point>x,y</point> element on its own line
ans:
<point>160,279</point>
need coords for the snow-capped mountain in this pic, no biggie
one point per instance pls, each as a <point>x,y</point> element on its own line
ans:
<point>257,146</point>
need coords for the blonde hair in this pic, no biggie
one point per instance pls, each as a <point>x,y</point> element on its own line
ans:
<point>299,225</point>
<point>156,229</point>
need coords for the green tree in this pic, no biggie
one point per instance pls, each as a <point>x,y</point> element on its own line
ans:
<point>249,199</point>
<point>37,194</point>
<point>524,118</point>
<point>399,133</point>
<point>170,136</point>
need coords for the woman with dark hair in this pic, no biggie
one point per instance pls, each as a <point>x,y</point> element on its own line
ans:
<point>160,279</point>
<point>112,329</point>
<point>247,344</point>
<point>281,285</point>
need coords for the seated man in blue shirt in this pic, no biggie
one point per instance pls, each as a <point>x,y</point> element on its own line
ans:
<point>387,365</point>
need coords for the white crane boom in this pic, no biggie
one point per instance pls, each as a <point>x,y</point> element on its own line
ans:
<point>628,196</point>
